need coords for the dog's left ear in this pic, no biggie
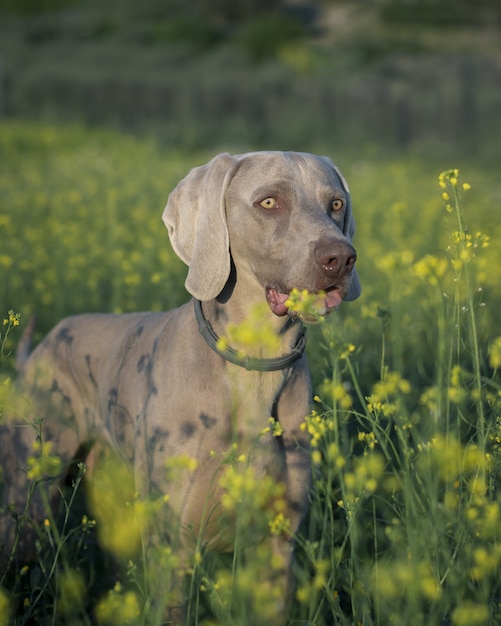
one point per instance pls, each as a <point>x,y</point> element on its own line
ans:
<point>349,231</point>
<point>195,217</point>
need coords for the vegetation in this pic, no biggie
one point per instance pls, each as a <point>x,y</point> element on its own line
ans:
<point>404,525</point>
<point>271,74</point>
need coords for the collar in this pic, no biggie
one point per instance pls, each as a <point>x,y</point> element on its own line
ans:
<point>249,362</point>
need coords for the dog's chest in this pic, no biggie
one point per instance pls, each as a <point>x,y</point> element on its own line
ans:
<point>253,395</point>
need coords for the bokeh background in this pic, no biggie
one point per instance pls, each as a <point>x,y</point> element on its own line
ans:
<point>289,74</point>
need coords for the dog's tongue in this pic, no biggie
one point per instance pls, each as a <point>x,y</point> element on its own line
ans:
<point>276,301</point>
<point>332,299</point>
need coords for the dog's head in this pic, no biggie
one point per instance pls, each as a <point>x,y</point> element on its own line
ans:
<point>285,216</point>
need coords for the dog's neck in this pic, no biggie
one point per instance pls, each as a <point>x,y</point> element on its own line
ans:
<point>278,348</point>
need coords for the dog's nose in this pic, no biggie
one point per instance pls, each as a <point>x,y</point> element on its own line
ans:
<point>336,258</point>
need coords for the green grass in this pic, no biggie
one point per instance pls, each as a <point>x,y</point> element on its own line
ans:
<point>404,525</point>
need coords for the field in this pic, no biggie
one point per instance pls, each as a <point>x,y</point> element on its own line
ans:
<point>405,523</point>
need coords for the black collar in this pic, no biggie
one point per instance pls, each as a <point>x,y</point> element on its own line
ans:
<point>249,362</point>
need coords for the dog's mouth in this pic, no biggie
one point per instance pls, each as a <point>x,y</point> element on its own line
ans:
<point>315,304</point>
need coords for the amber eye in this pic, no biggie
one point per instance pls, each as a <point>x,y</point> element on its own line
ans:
<point>268,203</point>
<point>337,204</point>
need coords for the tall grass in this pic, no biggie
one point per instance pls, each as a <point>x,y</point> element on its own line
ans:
<point>405,434</point>
<point>414,470</point>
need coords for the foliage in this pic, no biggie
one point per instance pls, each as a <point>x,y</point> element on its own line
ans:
<point>405,434</point>
<point>269,73</point>
<point>440,14</point>
<point>73,205</point>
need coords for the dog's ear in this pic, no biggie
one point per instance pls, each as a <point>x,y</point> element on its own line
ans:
<point>349,231</point>
<point>195,217</point>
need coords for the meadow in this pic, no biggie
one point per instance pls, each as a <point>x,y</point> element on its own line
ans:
<point>405,429</point>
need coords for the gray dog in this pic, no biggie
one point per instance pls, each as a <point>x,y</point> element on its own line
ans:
<point>152,386</point>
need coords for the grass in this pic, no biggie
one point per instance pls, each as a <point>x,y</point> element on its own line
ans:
<point>404,523</point>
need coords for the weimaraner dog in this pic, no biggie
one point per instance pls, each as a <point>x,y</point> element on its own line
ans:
<point>250,227</point>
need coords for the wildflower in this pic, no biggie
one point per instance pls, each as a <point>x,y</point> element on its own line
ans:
<point>255,333</point>
<point>334,456</point>
<point>197,557</point>
<point>470,614</point>
<point>495,354</point>
<point>117,607</point>
<point>280,525</point>
<point>369,310</point>
<point>71,591</point>
<point>428,585</point>
<point>430,268</point>
<point>395,260</point>
<point>456,393</point>
<point>253,587</point>
<point>13,319</point>
<point>481,240</point>
<point>317,427</point>
<point>338,393</point>
<point>121,517</point>
<point>275,427</point>
<point>368,438</point>
<point>181,462</point>
<point>316,457</point>
<point>448,177</point>
<point>310,306</point>
<point>391,384</point>
<point>366,474</point>
<point>242,486</point>
<point>321,570</point>
<point>5,608</point>
<point>485,562</point>
<point>42,463</point>
<point>348,349</point>
<point>6,261</point>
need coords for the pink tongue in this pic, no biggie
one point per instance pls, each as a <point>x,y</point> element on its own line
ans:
<point>332,299</point>
<point>277,301</point>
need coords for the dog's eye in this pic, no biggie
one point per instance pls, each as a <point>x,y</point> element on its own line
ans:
<point>337,204</point>
<point>268,203</point>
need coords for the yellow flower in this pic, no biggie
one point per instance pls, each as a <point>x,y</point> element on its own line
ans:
<point>121,518</point>
<point>430,268</point>
<point>4,608</point>
<point>280,525</point>
<point>13,319</point>
<point>469,613</point>
<point>310,306</point>
<point>118,607</point>
<point>42,463</point>
<point>275,427</point>
<point>316,457</point>
<point>255,334</point>
<point>181,462</point>
<point>71,591</point>
<point>495,353</point>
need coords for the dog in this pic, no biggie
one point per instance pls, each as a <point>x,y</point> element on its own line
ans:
<point>251,228</point>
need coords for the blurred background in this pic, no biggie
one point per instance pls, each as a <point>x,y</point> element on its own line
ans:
<point>106,104</point>
<point>287,74</point>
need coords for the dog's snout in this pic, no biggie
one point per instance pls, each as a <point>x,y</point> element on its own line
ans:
<point>336,258</point>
